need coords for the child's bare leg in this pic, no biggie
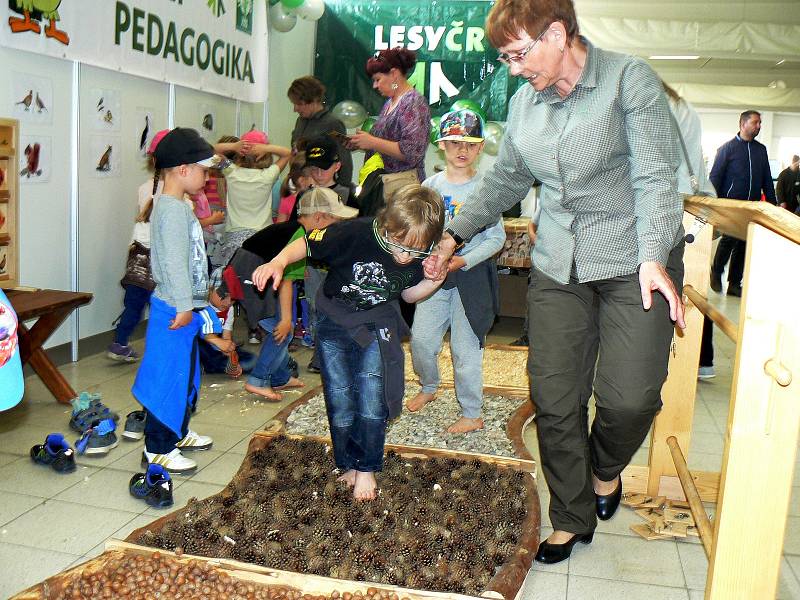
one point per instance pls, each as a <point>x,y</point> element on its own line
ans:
<point>420,400</point>
<point>265,392</point>
<point>465,425</point>
<point>348,477</point>
<point>293,382</point>
<point>365,486</point>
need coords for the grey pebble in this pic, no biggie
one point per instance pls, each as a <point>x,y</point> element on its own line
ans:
<point>428,426</point>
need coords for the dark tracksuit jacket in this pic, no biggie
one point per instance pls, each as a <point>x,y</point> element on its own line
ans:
<point>741,171</point>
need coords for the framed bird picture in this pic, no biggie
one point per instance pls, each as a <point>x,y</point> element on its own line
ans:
<point>9,203</point>
<point>32,98</point>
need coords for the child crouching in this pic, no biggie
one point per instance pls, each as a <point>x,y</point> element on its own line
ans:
<point>372,263</point>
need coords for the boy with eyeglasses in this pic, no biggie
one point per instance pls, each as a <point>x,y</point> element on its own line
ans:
<point>371,263</point>
<point>468,300</point>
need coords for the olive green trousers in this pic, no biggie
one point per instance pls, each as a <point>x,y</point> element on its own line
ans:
<point>594,338</point>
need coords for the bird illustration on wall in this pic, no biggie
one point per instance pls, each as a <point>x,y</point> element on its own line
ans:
<point>108,117</point>
<point>145,132</point>
<point>32,161</point>
<point>104,164</point>
<point>40,104</point>
<point>208,121</point>
<point>33,11</point>
<point>26,101</point>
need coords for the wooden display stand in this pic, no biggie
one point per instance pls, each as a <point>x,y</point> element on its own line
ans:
<point>745,543</point>
<point>9,203</point>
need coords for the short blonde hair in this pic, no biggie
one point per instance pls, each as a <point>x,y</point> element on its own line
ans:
<point>508,17</point>
<point>415,212</point>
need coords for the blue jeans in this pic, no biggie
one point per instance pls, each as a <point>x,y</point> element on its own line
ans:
<point>136,298</point>
<point>272,367</point>
<point>352,379</point>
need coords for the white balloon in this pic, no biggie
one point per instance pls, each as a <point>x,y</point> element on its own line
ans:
<point>310,10</point>
<point>492,136</point>
<point>281,19</point>
<point>350,112</point>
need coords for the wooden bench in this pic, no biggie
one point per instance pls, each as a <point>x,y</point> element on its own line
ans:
<point>51,308</point>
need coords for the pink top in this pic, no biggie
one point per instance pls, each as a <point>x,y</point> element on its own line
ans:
<point>212,193</point>
<point>202,209</point>
<point>287,205</point>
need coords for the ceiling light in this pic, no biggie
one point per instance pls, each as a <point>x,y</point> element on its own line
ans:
<point>780,62</point>
<point>674,57</point>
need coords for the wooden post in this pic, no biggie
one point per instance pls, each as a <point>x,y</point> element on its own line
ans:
<point>678,393</point>
<point>762,432</point>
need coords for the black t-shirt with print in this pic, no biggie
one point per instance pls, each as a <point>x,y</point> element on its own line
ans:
<point>361,273</point>
<point>268,242</point>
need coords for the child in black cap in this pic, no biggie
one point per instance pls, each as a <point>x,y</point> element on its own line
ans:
<point>168,379</point>
<point>323,164</point>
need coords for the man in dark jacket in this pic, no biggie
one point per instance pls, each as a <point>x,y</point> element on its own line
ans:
<point>788,187</point>
<point>740,171</point>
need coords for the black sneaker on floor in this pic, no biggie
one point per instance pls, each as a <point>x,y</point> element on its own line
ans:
<point>734,290</point>
<point>55,452</point>
<point>154,486</point>
<point>134,425</point>
<point>99,438</point>
<point>294,367</point>
<point>715,282</point>
<point>312,368</point>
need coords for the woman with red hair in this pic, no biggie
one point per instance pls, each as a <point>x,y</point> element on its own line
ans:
<point>400,135</point>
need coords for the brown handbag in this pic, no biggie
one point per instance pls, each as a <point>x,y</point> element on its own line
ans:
<point>137,268</point>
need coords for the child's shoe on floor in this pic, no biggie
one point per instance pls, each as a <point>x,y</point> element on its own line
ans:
<point>99,438</point>
<point>174,462</point>
<point>195,441</point>
<point>55,452</point>
<point>154,486</point>
<point>134,425</point>
<point>86,409</point>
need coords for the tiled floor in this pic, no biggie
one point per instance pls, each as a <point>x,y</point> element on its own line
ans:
<point>49,522</point>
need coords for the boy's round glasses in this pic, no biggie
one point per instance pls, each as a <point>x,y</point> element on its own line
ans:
<point>387,244</point>
<point>518,57</point>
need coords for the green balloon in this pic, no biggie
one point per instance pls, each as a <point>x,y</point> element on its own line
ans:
<point>467,104</point>
<point>292,3</point>
<point>435,121</point>
<point>367,125</point>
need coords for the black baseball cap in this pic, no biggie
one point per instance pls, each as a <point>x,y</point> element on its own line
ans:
<point>183,146</point>
<point>322,152</point>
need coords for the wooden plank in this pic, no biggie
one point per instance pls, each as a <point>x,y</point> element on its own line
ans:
<point>696,505</point>
<point>304,582</point>
<point>732,217</point>
<point>529,466</point>
<point>762,431</point>
<point>678,393</point>
<point>635,478</point>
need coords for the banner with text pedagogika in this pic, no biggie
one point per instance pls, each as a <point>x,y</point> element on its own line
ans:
<point>454,59</point>
<point>217,46</point>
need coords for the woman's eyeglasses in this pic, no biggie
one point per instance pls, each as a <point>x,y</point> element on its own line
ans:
<point>518,57</point>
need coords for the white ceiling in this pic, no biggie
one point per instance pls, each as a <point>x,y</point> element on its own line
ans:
<point>739,43</point>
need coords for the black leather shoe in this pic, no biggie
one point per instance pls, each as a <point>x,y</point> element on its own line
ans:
<point>607,505</point>
<point>734,290</point>
<point>553,553</point>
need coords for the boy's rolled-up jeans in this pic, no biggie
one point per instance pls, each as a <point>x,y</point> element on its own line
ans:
<point>352,379</point>
<point>272,366</point>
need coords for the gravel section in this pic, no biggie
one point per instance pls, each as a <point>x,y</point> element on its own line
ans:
<point>428,426</point>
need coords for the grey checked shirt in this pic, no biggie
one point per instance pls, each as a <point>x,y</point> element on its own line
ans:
<point>607,159</point>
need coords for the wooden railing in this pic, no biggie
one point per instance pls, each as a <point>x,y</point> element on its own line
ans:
<point>753,489</point>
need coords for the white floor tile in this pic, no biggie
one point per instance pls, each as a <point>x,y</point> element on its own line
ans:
<point>624,558</point>
<point>13,505</point>
<point>588,588</point>
<point>540,585</point>
<point>65,526</point>
<point>34,479</point>
<point>221,471</point>
<point>107,488</point>
<point>24,566</point>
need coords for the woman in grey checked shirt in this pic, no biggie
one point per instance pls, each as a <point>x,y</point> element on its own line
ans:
<point>594,127</point>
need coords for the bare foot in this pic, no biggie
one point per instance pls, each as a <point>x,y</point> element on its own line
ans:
<point>420,400</point>
<point>265,392</point>
<point>349,477</point>
<point>604,488</point>
<point>560,537</point>
<point>365,486</point>
<point>293,382</point>
<point>465,425</point>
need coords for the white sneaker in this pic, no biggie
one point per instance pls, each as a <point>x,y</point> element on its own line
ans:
<point>706,373</point>
<point>195,441</point>
<point>174,462</point>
